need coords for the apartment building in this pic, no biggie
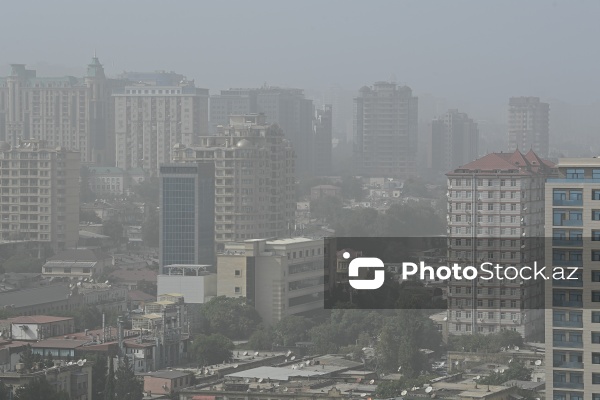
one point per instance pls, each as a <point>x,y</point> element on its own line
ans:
<point>279,277</point>
<point>286,107</point>
<point>454,141</point>
<point>496,214</point>
<point>39,193</point>
<point>385,130</point>
<point>573,306</point>
<point>529,125</point>
<point>150,120</point>
<point>70,112</point>
<point>254,179</point>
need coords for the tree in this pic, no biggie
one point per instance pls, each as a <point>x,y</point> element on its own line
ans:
<point>148,191</point>
<point>85,192</point>
<point>109,382</point>
<point>113,229</point>
<point>352,188</point>
<point>516,370</point>
<point>39,388</point>
<point>212,349</point>
<point>23,262</point>
<point>28,358</point>
<point>89,216</point>
<point>150,230</point>
<point>326,208</point>
<point>147,287</point>
<point>231,317</point>
<point>127,386</point>
<point>4,391</point>
<point>291,329</point>
<point>262,339</point>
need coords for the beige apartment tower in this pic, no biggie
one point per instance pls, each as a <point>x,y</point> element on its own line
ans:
<point>150,120</point>
<point>529,125</point>
<point>573,306</point>
<point>39,194</point>
<point>254,178</point>
<point>496,214</point>
<point>70,112</point>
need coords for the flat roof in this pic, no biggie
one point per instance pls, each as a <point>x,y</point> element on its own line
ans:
<point>38,319</point>
<point>168,374</point>
<point>578,162</point>
<point>275,373</point>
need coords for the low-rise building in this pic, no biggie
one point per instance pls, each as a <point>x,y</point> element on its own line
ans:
<point>320,191</point>
<point>74,379</point>
<point>107,180</point>
<point>76,263</point>
<point>278,277</point>
<point>167,381</point>
<point>38,327</point>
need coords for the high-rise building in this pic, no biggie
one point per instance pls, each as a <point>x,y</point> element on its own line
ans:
<point>187,199</point>
<point>496,214</point>
<point>385,130</point>
<point>70,112</point>
<point>322,142</point>
<point>150,120</point>
<point>573,306</point>
<point>528,125</point>
<point>454,141</point>
<point>254,178</point>
<point>278,277</point>
<point>285,107</point>
<point>39,194</point>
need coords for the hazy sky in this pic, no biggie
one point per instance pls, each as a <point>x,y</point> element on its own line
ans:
<point>469,51</point>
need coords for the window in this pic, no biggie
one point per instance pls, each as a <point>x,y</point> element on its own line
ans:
<point>238,272</point>
<point>595,215</point>
<point>596,317</point>
<point>595,276</point>
<point>595,194</point>
<point>238,289</point>
<point>596,296</point>
<point>575,173</point>
<point>596,337</point>
<point>595,358</point>
<point>596,174</point>
<point>490,207</point>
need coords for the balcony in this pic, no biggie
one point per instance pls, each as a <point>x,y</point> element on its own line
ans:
<point>570,222</point>
<point>563,343</point>
<point>566,364</point>
<point>566,303</point>
<point>568,282</point>
<point>567,324</point>
<point>567,263</point>
<point>568,385</point>
<point>567,242</point>
<point>567,202</point>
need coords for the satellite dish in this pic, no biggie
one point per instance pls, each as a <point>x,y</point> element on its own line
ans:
<point>307,363</point>
<point>289,352</point>
<point>517,348</point>
<point>428,389</point>
<point>478,377</point>
<point>84,360</point>
<point>363,394</point>
<point>399,368</point>
<point>372,381</point>
<point>293,358</point>
<point>496,370</point>
<point>261,380</point>
<point>246,380</point>
<point>235,366</point>
<point>502,371</point>
<point>511,360</point>
<point>538,362</point>
<point>445,318</point>
<point>404,393</point>
<point>256,354</point>
<point>456,362</point>
<point>245,353</point>
<point>285,389</point>
<point>80,363</point>
<point>286,360</point>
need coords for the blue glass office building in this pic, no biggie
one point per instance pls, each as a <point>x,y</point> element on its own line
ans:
<point>187,205</point>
